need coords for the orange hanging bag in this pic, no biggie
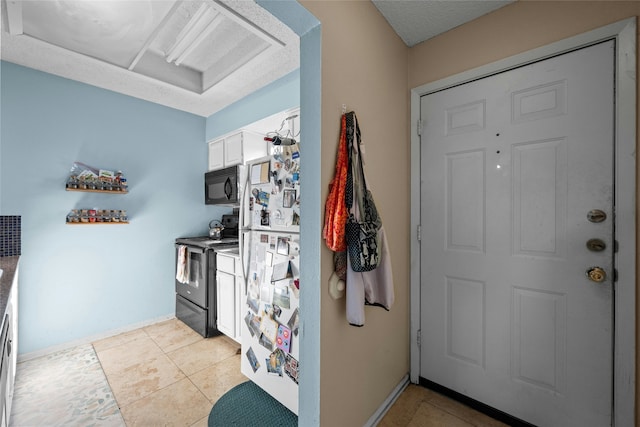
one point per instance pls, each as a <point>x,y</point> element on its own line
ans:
<point>335,209</point>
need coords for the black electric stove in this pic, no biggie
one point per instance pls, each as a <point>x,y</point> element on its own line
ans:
<point>196,285</point>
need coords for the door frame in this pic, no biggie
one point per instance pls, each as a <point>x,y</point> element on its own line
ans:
<point>624,32</point>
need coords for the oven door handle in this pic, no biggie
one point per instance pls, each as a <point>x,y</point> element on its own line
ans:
<point>191,248</point>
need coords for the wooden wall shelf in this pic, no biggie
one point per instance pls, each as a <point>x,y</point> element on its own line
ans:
<point>82,190</point>
<point>98,223</point>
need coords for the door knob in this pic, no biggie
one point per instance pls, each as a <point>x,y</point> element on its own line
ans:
<point>596,274</point>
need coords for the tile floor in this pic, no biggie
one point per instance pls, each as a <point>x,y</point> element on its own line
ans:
<point>67,388</point>
<point>420,407</point>
<point>167,374</point>
<point>163,374</point>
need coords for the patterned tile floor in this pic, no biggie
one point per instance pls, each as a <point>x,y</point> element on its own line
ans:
<point>163,374</point>
<point>64,388</point>
<point>168,375</point>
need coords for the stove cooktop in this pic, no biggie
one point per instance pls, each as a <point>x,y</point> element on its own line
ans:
<point>206,241</point>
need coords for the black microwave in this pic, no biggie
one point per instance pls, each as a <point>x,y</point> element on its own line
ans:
<point>221,187</point>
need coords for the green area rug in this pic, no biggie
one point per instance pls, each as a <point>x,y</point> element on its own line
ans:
<point>248,405</point>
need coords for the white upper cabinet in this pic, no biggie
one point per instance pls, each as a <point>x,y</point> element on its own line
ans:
<point>216,154</point>
<point>236,148</point>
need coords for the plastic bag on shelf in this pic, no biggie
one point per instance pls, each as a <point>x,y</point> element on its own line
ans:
<point>84,177</point>
<point>81,170</point>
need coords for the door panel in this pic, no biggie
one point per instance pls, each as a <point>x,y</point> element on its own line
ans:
<point>511,165</point>
<point>465,201</point>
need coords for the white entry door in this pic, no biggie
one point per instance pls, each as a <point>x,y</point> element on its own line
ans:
<point>516,172</point>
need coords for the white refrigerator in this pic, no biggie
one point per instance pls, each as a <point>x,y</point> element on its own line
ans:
<point>270,248</point>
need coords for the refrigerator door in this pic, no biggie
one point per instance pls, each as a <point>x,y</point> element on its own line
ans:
<point>270,341</point>
<point>273,187</point>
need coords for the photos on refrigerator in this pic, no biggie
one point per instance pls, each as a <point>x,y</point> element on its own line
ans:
<point>275,362</point>
<point>283,245</point>
<point>281,295</point>
<point>294,321</point>
<point>265,293</point>
<point>288,198</point>
<point>269,328</point>
<point>281,271</point>
<point>253,360</point>
<point>253,323</point>
<point>252,301</point>
<point>265,342</point>
<point>291,367</point>
<point>283,340</point>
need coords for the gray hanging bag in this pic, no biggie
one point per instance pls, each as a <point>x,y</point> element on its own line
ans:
<point>363,241</point>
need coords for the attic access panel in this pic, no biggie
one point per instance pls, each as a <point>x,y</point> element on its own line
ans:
<point>93,28</point>
<point>191,44</point>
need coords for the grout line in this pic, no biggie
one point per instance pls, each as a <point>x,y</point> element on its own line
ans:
<point>200,390</point>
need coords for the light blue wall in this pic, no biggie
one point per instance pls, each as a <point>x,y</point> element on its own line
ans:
<point>281,95</point>
<point>302,88</point>
<point>308,28</point>
<point>68,294</point>
<point>79,281</point>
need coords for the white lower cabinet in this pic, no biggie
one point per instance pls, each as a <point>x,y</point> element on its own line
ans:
<point>8,353</point>
<point>227,304</point>
<point>228,295</point>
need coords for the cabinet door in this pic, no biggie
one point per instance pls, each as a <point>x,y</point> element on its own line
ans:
<point>226,304</point>
<point>233,150</point>
<point>216,154</point>
<point>226,263</point>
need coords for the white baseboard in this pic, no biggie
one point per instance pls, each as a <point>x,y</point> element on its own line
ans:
<point>389,401</point>
<point>88,340</point>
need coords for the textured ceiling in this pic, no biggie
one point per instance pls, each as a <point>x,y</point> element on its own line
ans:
<point>418,20</point>
<point>144,48</point>
<point>236,47</point>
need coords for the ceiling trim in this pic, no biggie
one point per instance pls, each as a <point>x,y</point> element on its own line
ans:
<point>154,34</point>
<point>14,16</point>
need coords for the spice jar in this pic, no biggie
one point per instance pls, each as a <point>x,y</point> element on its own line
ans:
<point>72,182</point>
<point>73,216</point>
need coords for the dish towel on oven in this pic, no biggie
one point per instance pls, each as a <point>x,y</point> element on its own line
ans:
<point>182,268</point>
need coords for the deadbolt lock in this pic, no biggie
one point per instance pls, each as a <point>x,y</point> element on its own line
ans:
<point>596,215</point>
<point>596,245</point>
<point>596,274</point>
